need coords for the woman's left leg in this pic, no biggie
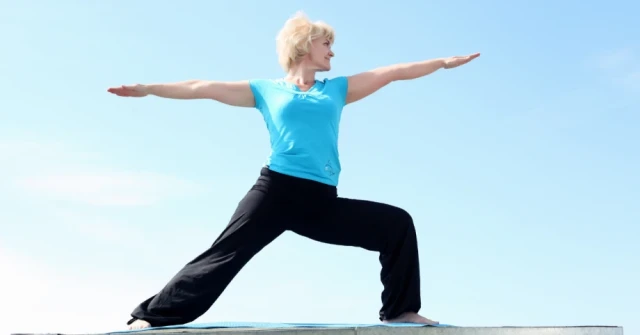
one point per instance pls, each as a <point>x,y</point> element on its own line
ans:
<point>378,227</point>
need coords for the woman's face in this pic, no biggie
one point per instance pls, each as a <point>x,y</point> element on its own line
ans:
<point>320,54</point>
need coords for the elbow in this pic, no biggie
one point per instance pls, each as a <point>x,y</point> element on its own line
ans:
<point>197,85</point>
<point>201,89</point>
<point>397,72</point>
<point>415,70</point>
<point>386,75</point>
<point>403,72</point>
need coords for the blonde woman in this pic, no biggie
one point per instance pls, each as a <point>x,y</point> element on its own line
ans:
<point>297,188</point>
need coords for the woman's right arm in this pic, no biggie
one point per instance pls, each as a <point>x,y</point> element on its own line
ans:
<point>234,93</point>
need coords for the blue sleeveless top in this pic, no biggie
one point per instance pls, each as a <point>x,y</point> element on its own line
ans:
<point>303,126</point>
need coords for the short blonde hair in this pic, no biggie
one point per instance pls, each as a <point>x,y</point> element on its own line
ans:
<point>294,39</point>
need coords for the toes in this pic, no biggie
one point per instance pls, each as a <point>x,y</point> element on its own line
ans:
<point>136,325</point>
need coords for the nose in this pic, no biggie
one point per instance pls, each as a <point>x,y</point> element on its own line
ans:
<point>331,54</point>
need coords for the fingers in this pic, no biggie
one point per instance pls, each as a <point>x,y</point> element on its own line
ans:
<point>125,88</point>
<point>472,57</point>
<point>469,57</point>
<point>121,93</point>
<point>460,60</point>
<point>124,91</point>
<point>117,90</point>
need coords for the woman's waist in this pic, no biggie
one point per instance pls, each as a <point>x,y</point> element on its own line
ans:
<point>296,184</point>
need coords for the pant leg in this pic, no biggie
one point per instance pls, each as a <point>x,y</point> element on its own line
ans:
<point>376,227</point>
<point>194,289</point>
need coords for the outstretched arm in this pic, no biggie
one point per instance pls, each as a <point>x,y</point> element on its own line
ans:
<point>364,84</point>
<point>235,93</point>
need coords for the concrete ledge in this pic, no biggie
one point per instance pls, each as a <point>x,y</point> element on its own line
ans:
<point>577,330</point>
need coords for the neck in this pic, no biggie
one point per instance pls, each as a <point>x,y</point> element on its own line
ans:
<point>301,75</point>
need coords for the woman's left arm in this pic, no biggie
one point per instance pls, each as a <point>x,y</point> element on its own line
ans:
<point>364,84</point>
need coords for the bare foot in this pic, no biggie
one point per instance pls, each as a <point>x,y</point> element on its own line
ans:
<point>139,324</point>
<point>410,317</point>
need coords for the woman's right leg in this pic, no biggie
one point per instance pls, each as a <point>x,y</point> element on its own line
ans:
<point>193,290</point>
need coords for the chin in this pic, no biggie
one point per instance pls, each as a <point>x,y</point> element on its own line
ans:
<point>322,67</point>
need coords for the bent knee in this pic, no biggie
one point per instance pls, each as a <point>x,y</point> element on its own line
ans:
<point>400,231</point>
<point>403,220</point>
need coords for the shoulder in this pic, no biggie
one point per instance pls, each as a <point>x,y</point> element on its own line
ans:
<point>262,89</point>
<point>262,86</point>
<point>258,84</point>
<point>337,86</point>
<point>340,81</point>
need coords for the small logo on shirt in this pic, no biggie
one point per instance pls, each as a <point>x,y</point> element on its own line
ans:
<point>328,168</point>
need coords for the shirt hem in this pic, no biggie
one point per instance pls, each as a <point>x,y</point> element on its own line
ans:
<point>297,174</point>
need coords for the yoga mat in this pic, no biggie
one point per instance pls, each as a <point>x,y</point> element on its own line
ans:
<point>270,325</point>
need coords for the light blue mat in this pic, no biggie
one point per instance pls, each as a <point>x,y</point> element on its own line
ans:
<point>268,325</point>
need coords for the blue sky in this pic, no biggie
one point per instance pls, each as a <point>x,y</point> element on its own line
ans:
<point>520,169</point>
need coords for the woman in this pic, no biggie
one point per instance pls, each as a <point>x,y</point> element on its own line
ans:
<point>297,188</point>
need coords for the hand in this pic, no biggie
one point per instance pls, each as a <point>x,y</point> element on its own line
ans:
<point>137,91</point>
<point>456,61</point>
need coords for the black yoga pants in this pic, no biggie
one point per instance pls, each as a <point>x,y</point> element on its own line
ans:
<point>277,203</point>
